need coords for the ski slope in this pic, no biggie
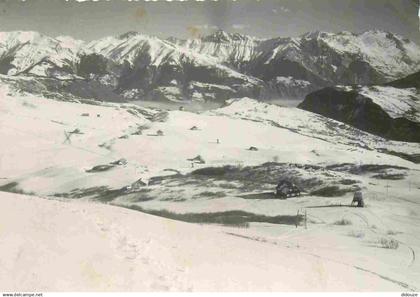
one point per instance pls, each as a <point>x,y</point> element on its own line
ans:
<point>107,248</point>
<point>78,246</point>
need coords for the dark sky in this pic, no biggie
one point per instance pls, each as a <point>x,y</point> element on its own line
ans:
<point>265,18</point>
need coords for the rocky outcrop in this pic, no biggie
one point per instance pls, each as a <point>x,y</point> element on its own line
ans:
<point>364,111</point>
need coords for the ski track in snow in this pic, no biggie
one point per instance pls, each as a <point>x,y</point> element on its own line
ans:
<point>365,219</point>
<point>136,252</point>
<point>402,284</point>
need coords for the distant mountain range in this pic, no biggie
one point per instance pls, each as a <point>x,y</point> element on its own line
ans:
<point>216,67</point>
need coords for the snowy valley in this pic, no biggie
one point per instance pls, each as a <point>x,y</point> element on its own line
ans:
<point>135,197</point>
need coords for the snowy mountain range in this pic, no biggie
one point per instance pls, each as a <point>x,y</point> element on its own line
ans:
<point>169,168</point>
<point>216,67</point>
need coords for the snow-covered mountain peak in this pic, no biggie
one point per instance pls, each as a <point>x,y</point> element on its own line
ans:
<point>217,36</point>
<point>135,45</point>
<point>313,34</point>
<point>70,42</point>
<point>20,36</point>
<point>228,48</point>
<point>36,54</point>
<point>128,34</point>
<point>221,36</point>
<point>32,41</point>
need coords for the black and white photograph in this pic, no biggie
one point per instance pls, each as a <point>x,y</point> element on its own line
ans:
<point>209,146</point>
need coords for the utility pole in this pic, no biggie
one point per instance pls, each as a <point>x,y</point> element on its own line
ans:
<point>387,188</point>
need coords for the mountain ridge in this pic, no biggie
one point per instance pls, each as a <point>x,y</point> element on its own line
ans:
<point>137,66</point>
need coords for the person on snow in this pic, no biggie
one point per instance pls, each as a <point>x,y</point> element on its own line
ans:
<point>358,198</point>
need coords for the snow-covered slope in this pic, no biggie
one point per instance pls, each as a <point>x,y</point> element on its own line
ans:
<point>58,246</point>
<point>110,132</point>
<point>143,158</point>
<point>309,124</point>
<point>398,103</point>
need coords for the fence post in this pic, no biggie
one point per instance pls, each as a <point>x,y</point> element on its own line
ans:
<point>297,219</point>
<point>306,219</point>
